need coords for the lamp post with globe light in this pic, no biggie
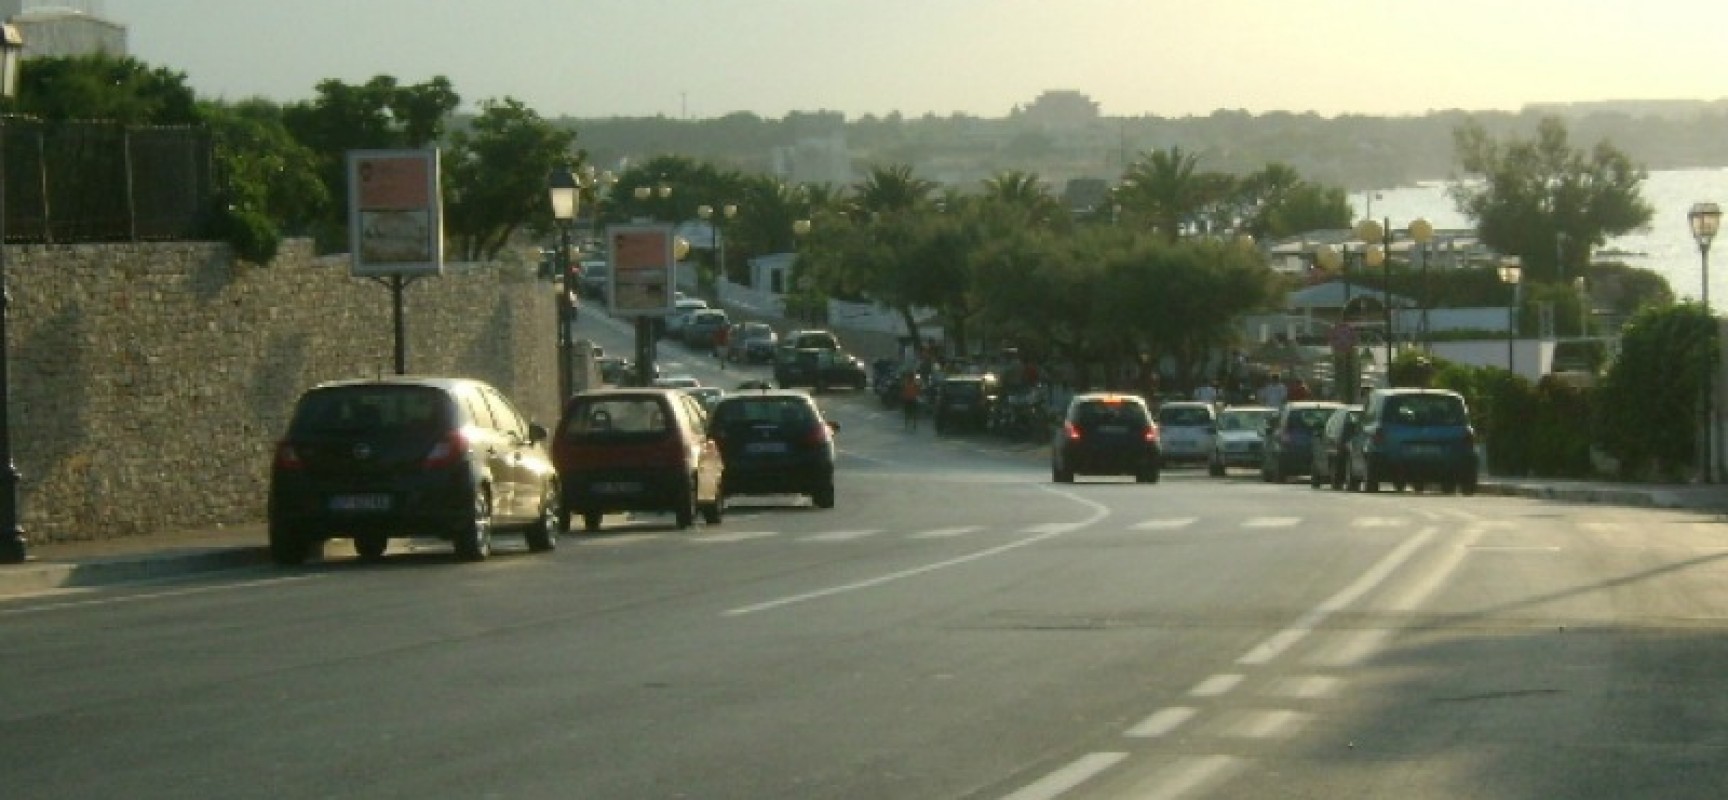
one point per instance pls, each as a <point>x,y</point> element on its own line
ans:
<point>565,194</point>
<point>12,540</point>
<point>1512,272</point>
<point>1706,220</point>
<point>717,237</point>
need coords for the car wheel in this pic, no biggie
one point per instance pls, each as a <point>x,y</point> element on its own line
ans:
<point>1313,478</point>
<point>371,547</point>
<point>1418,486</point>
<point>823,497</point>
<point>1371,480</point>
<point>1149,476</point>
<point>1467,484</point>
<point>474,540</point>
<point>1277,475</point>
<point>1351,480</point>
<point>287,547</point>
<point>544,535</point>
<point>1397,486</point>
<point>1337,478</point>
<point>684,515</point>
<point>1216,468</point>
<point>1061,475</point>
<point>1448,487</point>
<point>591,521</point>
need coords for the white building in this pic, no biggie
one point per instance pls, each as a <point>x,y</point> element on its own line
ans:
<point>64,28</point>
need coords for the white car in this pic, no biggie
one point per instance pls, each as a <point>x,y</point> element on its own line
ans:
<point>682,309</point>
<point>1185,431</point>
<point>1240,438</point>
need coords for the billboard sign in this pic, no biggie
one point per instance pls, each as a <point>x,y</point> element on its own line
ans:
<point>641,283</point>
<point>395,220</point>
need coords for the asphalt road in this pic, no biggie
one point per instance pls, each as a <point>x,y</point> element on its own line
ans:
<point>957,627</point>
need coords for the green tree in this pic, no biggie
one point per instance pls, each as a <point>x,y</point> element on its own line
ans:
<point>495,176</point>
<point>1164,189</point>
<point>104,87</point>
<point>1649,409</point>
<point>1544,201</point>
<point>1025,192</point>
<point>268,181</point>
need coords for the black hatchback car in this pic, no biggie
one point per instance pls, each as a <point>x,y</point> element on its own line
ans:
<point>403,457</point>
<point>775,442</point>
<point>965,402</point>
<point>819,368</point>
<point>1106,434</point>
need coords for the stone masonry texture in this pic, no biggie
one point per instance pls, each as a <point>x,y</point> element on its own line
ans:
<point>150,382</point>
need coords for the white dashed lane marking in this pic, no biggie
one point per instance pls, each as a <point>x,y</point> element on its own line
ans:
<point>1165,524</point>
<point>946,533</point>
<point>840,536</point>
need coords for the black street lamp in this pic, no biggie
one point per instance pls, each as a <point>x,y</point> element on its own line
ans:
<point>565,193</point>
<point>1512,272</point>
<point>1706,219</point>
<point>12,550</point>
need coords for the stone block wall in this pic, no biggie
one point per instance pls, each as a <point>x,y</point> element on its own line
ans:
<point>149,382</point>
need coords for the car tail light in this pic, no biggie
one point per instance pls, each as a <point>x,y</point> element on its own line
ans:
<point>287,458</point>
<point>1071,432</point>
<point>449,450</point>
<point>1151,434</point>
<point>818,434</point>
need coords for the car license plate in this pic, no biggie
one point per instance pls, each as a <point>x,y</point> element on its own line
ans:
<point>360,502</point>
<point>1112,429</point>
<point>765,447</point>
<point>962,407</point>
<point>617,487</point>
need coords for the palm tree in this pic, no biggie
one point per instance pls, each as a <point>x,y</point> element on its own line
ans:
<point>1163,189</point>
<point>1023,190</point>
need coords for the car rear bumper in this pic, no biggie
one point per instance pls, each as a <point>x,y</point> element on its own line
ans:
<point>607,490</point>
<point>429,508</point>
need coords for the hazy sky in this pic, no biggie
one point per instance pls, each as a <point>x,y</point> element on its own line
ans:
<point>706,58</point>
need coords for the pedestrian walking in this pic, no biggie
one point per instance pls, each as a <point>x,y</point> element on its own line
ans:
<point>910,392</point>
<point>722,339</point>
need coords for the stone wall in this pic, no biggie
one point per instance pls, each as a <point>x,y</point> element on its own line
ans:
<point>149,382</point>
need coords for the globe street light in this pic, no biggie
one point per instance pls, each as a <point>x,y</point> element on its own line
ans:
<point>1512,272</point>
<point>717,236</point>
<point>565,193</point>
<point>1421,233</point>
<point>1706,218</point>
<point>11,532</point>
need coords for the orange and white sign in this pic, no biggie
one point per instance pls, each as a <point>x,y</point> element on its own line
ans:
<point>642,270</point>
<point>395,224</point>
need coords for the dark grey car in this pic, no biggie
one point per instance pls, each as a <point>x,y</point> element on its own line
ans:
<point>401,457</point>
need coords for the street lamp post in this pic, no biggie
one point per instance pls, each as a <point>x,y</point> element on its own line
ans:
<point>1421,232</point>
<point>1706,219</point>
<point>717,237</point>
<point>1512,272</point>
<point>801,228</point>
<point>12,540</point>
<point>565,191</point>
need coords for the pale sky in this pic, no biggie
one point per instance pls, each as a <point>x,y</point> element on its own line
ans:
<point>1171,58</point>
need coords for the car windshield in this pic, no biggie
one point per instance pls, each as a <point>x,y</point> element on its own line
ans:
<point>784,411</point>
<point>1108,413</point>
<point>1243,420</point>
<point>380,408</point>
<point>1186,416</point>
<point>960,389</point>
<point>617,417</point>
<point>1426,409</point>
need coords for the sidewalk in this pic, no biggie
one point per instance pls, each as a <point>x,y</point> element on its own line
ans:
<point>72,565</point>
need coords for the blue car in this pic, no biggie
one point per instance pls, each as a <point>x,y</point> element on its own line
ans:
<point>1413,437</point>
<point>1290,439</point>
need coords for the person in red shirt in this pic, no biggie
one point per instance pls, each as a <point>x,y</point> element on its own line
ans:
<point>722,337</point>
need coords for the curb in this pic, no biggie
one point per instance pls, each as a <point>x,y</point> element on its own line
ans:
<point>47,576</point>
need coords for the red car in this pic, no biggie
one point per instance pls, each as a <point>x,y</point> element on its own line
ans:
<point>643,449</point>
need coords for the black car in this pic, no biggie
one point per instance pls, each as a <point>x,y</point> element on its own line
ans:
<point>1106,434</point>
<point>1332,448</point>
<point>965,402</point>
<point>775,442</point>
<point>402,457</point>
<point>819,368</point>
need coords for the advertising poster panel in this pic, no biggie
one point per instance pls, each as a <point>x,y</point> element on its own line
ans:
<point>395,224</point>
<point>642,264</point>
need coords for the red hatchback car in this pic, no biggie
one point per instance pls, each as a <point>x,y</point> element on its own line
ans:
<point>644,449</point>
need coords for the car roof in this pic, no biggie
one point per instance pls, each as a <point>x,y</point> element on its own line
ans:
<point>1108,397</point>
<point>430,381</point>
<point>1187,404</point>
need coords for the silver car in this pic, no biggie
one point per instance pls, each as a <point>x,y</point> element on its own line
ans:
<point>1240,438</point>
<point>1185,429</point>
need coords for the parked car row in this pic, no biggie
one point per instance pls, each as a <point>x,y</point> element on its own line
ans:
<point>1408,438</point>
<point>451,458</point>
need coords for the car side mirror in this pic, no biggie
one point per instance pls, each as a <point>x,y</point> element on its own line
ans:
<point>833,427</point>
<point>537,433</point>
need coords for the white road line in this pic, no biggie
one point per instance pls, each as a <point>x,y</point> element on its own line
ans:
<point>139,598</point>
<point>1271,522</point>
<point>1307,687</point>
<point>1099,512</point>
<point>1378,522</point>
<point>1164,524</point>
<point>731,536</point>
<point>1162,722</point>
<point>1184,778</point>
<point>1059,782</point>
<point>620,540</point>
<point>1351,649</point>
<point>946,533</point>
<point>1277,643</point>
<point>840,536</point>
<point>1052,527</point>
<point>1216,685</point>
<point>1264,724</point>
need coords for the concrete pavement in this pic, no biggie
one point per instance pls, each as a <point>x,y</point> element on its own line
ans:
<point>99,562</point>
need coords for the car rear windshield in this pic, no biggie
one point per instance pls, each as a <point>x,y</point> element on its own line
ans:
<point>960,389</point>
<point>789,411</point>
<point>1243,421</point>
<point>346,409</point>
<point>1184,416</point>
<point>1310,419</point>
<point>1426,409</point>
<point>1105,413</point>
<point>605,418</point>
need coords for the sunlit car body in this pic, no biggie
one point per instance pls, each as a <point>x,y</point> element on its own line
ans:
<point>677,382</point>
<point>1290,440</point>
<point>637,450</point>
<point>818,368</point>
<point>706,395</point>
<point>1239,438</point>
<point>1332,448</point>
<point>1185,430</point>
<point>1413,436</point>
<point>409,457</point>
<point>775,442</point>
<point>1106,434</point>
<point>752,343</point>
<point>703,326</point>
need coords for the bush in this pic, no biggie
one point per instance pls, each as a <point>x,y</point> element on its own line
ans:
<point>252,235</point>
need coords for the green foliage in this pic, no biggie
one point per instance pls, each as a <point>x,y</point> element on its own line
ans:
<point>262,170</point>
<point>1529,429</point>
<point>495,176</point>
<point>103,87</point>
<point>252,234</point>
<point>1651,399</point>
<point>1541,200</point>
